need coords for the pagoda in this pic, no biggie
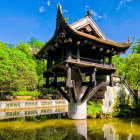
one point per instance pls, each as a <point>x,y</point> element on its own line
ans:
<point>79,53</point>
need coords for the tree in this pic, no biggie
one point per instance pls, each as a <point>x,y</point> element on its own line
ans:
<point>130,66</point>
<point>17,70</point>
<point>35,42</point>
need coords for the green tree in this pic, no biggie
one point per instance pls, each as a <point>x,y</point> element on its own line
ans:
<point>35,42</point>
<point>130,66</point>
<point>17,70</point>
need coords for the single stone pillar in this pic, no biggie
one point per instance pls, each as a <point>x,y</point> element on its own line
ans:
<point>77,110</point>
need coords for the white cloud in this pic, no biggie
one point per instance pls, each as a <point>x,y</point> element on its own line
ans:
<point>48,3</point>
<point>122,2</point>
<point>93,12</point>
<point>96,15</point>
<point>65,11</point>
<point>87,6</point>
<point>41,9</point>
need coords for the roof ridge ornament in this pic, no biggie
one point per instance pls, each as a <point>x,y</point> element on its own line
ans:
<point>59,8</point>
<point>129,41</point>
<point>89,13</point>
<point>130,38</point>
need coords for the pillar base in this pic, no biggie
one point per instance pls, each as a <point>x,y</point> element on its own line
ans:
<point>77,111</point>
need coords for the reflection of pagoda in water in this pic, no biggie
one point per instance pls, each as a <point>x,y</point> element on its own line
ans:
<point>76,52</point>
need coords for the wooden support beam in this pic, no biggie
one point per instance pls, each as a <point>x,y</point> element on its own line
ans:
<point>48,63</point>
<point>111,80</point>
<point>104,60</point>
<point>95,89</point>
<point>62,92</point>
<point>61,84</point>
<point>78,54</point>
<point>63,53</point>
<point>55,80</point>
<point>73,92</point>
<point>93,77</point>
<point>86,94</point>
<point>47,81</point>
<point>110,60</point>
<point>68,76</point>
<point>69,53</point>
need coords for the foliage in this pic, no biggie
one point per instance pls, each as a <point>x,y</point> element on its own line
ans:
<point>35,42</point>
<point>67,20</point>
<point>125,106</point>
<point>93,109</point>
<point>25,93</point>
<point>130,66</point>
<point>17,68</point>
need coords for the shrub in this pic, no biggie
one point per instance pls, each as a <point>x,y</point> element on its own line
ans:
<point>26,93</point>
<point>93,109</point>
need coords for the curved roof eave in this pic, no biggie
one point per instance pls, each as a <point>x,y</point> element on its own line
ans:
<point>60,21</point>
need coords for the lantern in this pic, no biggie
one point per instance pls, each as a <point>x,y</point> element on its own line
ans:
<point>108,51</point>
<point>70,40</point>
<point>78,42</point>
<point>101,49</point>
<point>65,41</point>
<point>93,47</point>
<point>56,45</point>
<point>53,49</point>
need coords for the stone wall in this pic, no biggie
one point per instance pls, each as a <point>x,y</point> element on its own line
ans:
<point>114,93</point>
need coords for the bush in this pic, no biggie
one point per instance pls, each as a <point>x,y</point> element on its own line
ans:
<point>93,109</point>
<point>34,93</point>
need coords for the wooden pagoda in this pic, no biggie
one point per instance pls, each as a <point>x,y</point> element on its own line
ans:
<point>75,52</point>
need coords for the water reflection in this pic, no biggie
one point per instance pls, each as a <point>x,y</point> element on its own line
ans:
<point>37,128</point>
<point>109,132</point>
<point>31,112</point>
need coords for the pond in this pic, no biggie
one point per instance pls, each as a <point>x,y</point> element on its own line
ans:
<point>47,127</point>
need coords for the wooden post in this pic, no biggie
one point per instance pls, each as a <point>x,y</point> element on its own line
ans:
<point>110,60</point>
<point>62,53</point>
<point>55,79</point>
<point>48,63</point>
<point>47,80</point>
<point>78,54</point>
<point>69,53</point>
<point>93,77</point>
<point>104,60</point>
<point>68,76</point>
<point>111,80</point>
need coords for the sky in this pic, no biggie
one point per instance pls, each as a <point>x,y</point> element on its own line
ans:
<point>22,19</point>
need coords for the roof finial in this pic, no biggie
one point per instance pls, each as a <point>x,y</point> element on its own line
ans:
<point>59,8</point>
<point>88,13</point>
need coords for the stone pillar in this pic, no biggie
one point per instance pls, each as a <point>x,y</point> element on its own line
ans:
<point>77,110</point>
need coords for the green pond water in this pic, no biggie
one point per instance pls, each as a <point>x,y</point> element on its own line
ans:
<point>42,128</point>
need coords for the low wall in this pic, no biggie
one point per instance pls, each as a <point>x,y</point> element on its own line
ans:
<point>31,104</point>
<point>32,112</point>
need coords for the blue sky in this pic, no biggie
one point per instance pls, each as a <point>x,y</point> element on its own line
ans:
<point>22,19</point>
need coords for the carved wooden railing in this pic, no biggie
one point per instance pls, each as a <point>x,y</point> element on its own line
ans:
<point>89,60</point>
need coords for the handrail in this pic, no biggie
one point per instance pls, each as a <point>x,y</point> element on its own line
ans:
<point>90,60</point>
<point>127,86</point>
